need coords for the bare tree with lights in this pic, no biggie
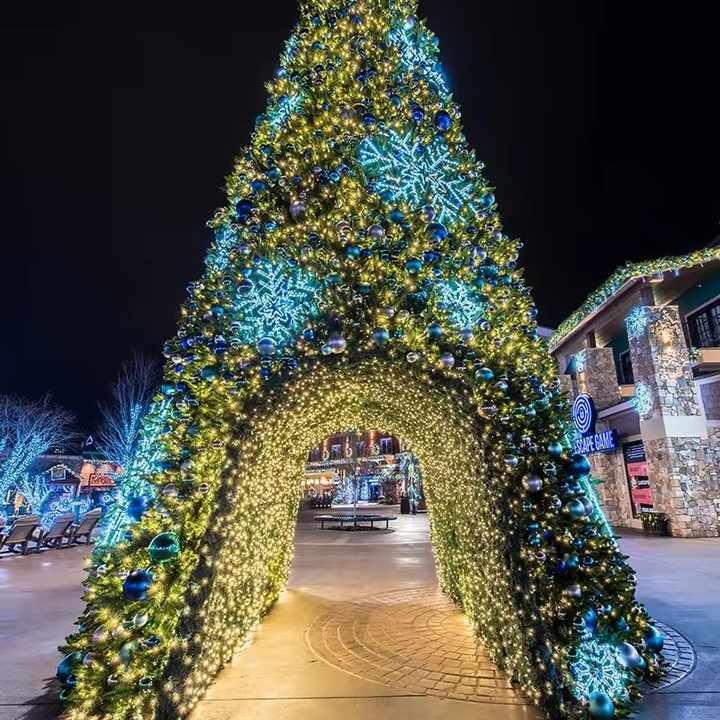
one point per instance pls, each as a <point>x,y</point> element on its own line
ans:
<point>121,418</point>
<point>28,428</point>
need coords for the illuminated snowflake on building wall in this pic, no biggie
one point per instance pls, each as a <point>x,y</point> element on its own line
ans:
<point>404,170</point>
<point>643,400</point>
<point>636,321</point>
<point>418,53</point>
<point>275,304</point>
<point>594,668</point>
<point>461,303</point>
<point>580,361</point>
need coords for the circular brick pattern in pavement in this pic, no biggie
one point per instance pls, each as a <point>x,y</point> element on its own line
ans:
<point>679,656</point>
<point>412,640</point>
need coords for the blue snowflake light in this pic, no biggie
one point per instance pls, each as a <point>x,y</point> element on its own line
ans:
<point>461,303</point>
<point>594,668</point>
<point>643,400</point>
<point>277,302</point>
<point>404,170</point>
<point>279,112</point>
<point>580,361</point>
<point>418,54</point>
<point>218,256</point>
<point>636,321</point>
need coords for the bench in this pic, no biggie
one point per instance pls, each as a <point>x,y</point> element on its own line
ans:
<point>355,520</point>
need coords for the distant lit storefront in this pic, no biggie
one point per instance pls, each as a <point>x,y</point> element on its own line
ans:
<point>641,362</point>
<point>368,466</point>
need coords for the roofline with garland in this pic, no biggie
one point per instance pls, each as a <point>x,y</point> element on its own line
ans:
<point>623,278</point>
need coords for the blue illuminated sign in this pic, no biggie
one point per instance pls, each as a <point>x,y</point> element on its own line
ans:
<point>587,440</point>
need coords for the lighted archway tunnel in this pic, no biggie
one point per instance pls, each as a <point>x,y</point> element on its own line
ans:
<point>360,276</point>
<point>249,545</point>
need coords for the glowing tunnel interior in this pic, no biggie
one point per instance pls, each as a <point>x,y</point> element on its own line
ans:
<point>248,550</point>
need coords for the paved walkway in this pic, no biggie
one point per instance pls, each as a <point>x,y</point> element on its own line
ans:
<point>362,633</point>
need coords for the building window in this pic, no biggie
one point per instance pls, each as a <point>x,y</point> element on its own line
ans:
<point>626,370</point>
<point>336,452</point>
<point>386,445</point>
<point>57,473</point>
<point>704,326</point>
<point>361,449</point>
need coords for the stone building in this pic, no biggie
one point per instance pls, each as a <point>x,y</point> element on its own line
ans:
<point>641,362</point>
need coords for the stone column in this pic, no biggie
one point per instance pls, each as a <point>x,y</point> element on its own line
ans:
<point>683,471</point>
<point>596,376</point>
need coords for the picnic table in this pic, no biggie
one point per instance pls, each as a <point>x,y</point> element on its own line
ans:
<point>356,521</point>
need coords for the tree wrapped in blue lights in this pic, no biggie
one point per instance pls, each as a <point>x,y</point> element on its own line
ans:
<point>360,277</point>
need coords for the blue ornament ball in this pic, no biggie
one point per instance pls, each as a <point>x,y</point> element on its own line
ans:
<point>380,336</point>
<point>136,584</point>
<point>413,266</point>
<point>267,347</point>
<point>164,547</point>
<point>244,287</point>
<point>590,619</point>
<point>137,507</point>
<point>66,668</point>
<point>485,374</point>
<point>628,656</point>
<point>337,343</point>
<point>575,509</point>
<point>532,483</point>
<point>580,466</point>
<point>601,707</point>
<point>434,331</point>
<point>555,449</point>
<point>443,121</point>
<point>654,640</point>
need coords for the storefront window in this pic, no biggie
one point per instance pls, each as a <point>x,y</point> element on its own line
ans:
<point>704,326</point>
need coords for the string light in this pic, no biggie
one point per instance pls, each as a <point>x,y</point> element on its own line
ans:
<point>462,304</point>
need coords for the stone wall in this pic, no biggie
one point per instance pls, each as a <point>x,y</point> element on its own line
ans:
<point>596,376</point>
<point>683,459</point>
<point>609,469</point>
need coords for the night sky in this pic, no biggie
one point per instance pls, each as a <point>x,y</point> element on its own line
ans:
<point>595,121</point>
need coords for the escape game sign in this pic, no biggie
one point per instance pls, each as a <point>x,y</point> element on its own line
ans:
<point>587,439</point>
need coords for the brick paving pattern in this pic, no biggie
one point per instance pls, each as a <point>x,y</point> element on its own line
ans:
<point>413,640</point>
<point>679,656</point>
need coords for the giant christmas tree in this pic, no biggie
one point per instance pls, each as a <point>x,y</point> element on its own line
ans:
<point>360,277</point>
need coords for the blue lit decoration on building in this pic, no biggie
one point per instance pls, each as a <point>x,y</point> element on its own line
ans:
<point>462,304</point>
<point>418,54</point>
<point>636,321</point>
<point>580,361</point>
<point>281,110</point>
<point>643,400</point>
<point>594,668</point>
<point>279,298</point>
<point>403,170</point>
<point>134,481</point>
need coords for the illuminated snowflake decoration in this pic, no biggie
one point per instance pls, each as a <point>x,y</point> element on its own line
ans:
<point>218,256</point>
<point>285,106</point>
<point>594,668</point>
<point>636,321</point>
<point>278,301</point>
<point>643,400</point>
<point>404,170</point>
<point>289,51</point>
<point>463,306</point>
<point>580,361</point>
<point>418,54</point>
